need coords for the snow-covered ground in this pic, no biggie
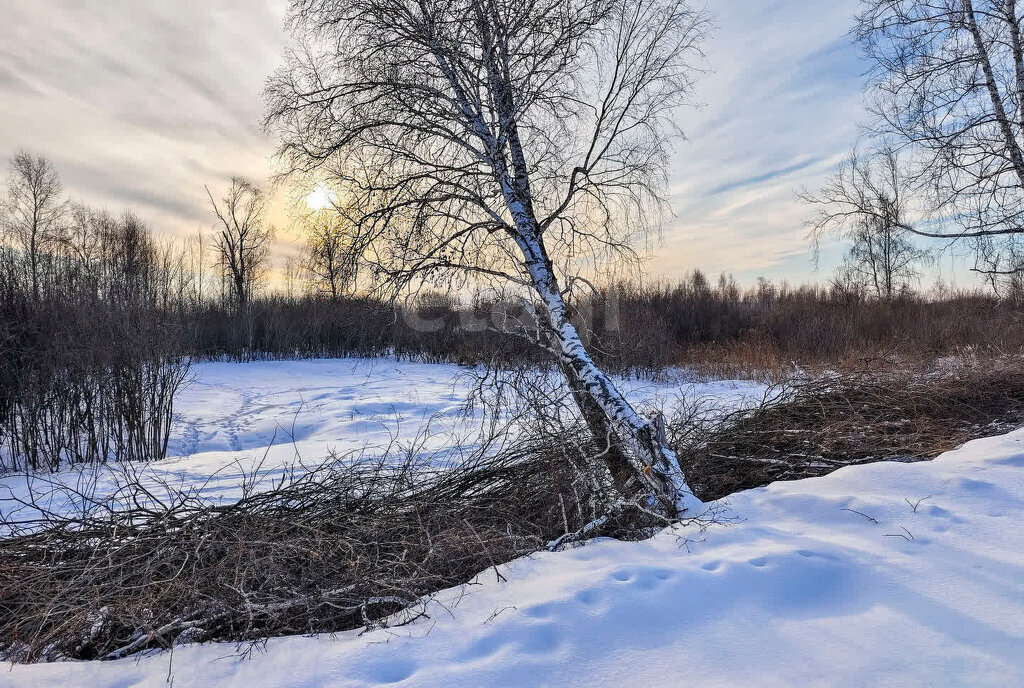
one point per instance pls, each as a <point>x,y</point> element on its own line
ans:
<point>265,417</point>
<point>233,411</point>
<point>880,575</point>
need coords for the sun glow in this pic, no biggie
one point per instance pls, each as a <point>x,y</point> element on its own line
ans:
<point>320,197</point>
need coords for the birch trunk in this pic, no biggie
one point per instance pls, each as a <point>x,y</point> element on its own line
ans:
<point>1013,150</point>
<point>612,452</point>
<point>654,465</point>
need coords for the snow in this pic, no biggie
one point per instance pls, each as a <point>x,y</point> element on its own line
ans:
<point>265,417</point>
<point>923,587</point>
<point>232,411</point>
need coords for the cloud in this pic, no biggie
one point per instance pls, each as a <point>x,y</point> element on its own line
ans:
<point>142,103</point>
<point>763,177</point>
<point>781,108</point>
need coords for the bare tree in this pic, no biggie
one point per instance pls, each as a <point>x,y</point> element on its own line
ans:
<point>293,278</point>
<point>328,259</point>
<point>1002,265</point>
<point>498,140</point>
<point>948,90</point>
<point>883,259</point>
<point>33,210</point>
<point>866,202</point>
<point>196,247</point>
<point>242,242</point>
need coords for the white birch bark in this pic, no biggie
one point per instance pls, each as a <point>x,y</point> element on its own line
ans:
<point>654,462</point>
<point>461,108</point>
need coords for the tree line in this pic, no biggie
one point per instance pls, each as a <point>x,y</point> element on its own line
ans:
<point>101,319</point>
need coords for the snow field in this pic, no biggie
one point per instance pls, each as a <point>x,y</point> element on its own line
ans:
<point>887,574</point>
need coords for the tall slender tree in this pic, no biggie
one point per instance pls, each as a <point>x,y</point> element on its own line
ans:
<point>329,263</point>
<point>867,202</point>
<point>33,211</point>
<point>242,240</point>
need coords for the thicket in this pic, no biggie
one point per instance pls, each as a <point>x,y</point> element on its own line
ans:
<point>89,358</point>
<point>99,321</point>
<point>810,427</point>
<point>354,542</point>
<point>93,348</point>
<point>714,329</point>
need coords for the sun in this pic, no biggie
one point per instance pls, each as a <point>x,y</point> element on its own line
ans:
<point>320,197</point>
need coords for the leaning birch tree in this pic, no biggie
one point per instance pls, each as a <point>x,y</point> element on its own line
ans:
<point>500,140</point>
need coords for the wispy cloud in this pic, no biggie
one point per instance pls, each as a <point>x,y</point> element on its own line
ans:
<point>141,103</point>
<point>761,178</point>
<point>781,109</point>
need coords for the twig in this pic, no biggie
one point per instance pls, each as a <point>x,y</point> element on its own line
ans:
<point>914,505</point>
<point>870,518</point>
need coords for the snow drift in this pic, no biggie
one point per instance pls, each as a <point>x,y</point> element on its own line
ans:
<point>884,574</point>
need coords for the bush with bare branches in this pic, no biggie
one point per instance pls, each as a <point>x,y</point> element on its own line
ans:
<point>89,360</point>
<point>351,543</point>
<point>806,428</point>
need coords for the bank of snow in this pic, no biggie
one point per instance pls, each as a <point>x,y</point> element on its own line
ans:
<point>880,575</point>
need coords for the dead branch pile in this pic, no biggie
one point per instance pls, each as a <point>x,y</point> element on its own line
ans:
<point>811,428</point>
<point>343,546</point>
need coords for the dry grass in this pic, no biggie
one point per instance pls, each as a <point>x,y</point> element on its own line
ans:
<point>348,545</point>
<point>811,428</point>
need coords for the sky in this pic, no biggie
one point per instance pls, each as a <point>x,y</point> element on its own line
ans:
<point>142,103</point>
